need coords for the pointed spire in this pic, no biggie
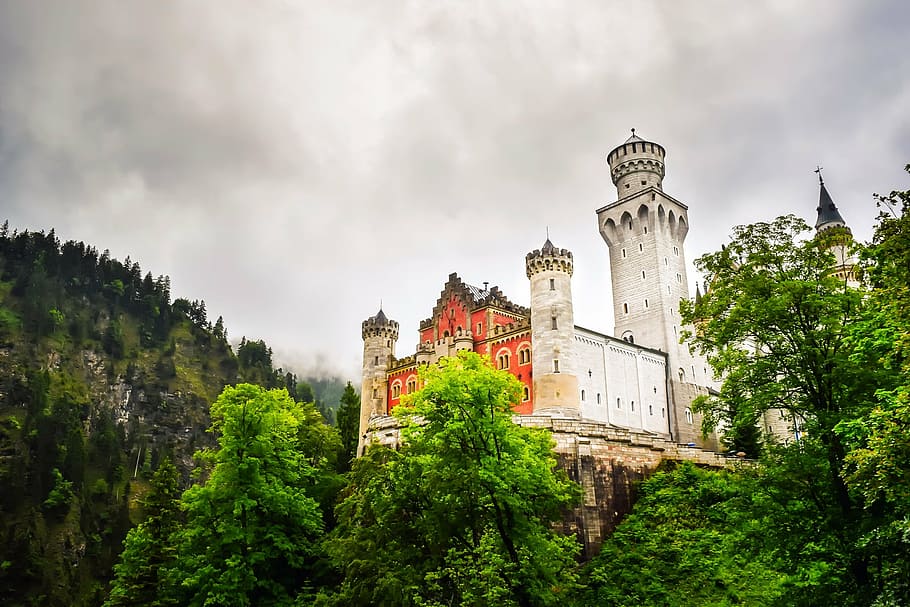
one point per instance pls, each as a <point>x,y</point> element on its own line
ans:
<point>697,294</point>
<point>828,215</point>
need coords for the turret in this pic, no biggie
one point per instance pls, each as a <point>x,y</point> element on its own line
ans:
<point>635,165</point>
<point>379,337</point>
<point>552,330</point>
<point>831,227</point>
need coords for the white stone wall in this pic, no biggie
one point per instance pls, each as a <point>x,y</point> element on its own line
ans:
<point>629,381</point>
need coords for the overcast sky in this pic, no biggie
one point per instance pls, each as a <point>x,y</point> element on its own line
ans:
<point>294,163</point>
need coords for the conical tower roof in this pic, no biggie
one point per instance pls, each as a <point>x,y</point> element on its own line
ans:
<point>828,215</point>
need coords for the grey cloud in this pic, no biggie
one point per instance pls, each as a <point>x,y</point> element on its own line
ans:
<point>294,162</point>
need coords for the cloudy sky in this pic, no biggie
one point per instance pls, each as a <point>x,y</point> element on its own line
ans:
<point>293,163</point>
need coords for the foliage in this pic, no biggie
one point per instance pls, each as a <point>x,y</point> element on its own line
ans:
<point>148,547</point>
<point>462,513</point>
<point>348,420</point>
<point>878,467</point>
<point>251,527</point>
<point>695,537</point>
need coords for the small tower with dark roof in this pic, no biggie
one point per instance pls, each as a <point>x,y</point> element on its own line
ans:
<point>555,382</point>
<point>379,337</point>
<point>833,230</point>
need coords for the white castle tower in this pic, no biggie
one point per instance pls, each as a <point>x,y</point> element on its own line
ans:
<point>831,226</point>
<point>645,230</point>
<point>553,330</point>
<point>379,337</point>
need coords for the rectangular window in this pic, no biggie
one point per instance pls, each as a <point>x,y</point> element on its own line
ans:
<point>552,284</point>
<point>479,328</point>
<point>553,322</point>
<point>555,365</point>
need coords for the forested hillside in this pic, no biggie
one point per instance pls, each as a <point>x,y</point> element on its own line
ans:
<point>102,376</point>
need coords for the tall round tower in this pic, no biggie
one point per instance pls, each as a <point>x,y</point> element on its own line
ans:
<point>635,165</point>
<point>645,229</point>
<point>379,337</point>
<point>552,330</point>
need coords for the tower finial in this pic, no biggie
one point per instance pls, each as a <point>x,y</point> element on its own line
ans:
<point>818,170</point>
<point>548,232</point>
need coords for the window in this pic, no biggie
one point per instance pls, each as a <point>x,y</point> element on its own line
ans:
<point>625,308</point>
<point>618,403</point>
<point>676,251</point>
<point>479,328</point>
<point>503,361</point>
<point>553,322</point>
<point>552,284</point>
<point>646,227</point>
<point>582,396</point>
<point>678,277</point>
<point>641,247</point>
<point>412,385</point>
<point>633,405</point>
<point>642,274</point>
<point>646,304</point>
<point>666,261</point>
<point>375,393</point>
<point>375,360</point>
<point>644,182</point>
<point>524,356</point>
<point>623,253</point>
<point>555,365</point>
<point>662,412</point>
<point>452,313</point>
<point>630,221</point>
<point>396,389</point>
<point>526,394</point>
<point>598,398</point>
<point>682,374</point>
<point>689,417</point>
<point>650,409</point>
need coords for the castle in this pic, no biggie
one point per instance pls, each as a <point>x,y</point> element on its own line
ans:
<point>641,381</point>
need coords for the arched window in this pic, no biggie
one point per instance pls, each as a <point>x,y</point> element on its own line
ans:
<point>618,403</point>
<point>524,356</point>
<point>598,398</point>
<point>689,417</point>
<point>582,395</point>
<point>396,389</point>
<point>412,385</point>
<point>633,405</point>
<point>650,409</point>
<point>526,394</point>
<point>682,374</point>
<point>503,360</point>
<point>625,308</point>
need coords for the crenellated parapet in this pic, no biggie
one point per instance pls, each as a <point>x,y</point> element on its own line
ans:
<point>548,258</point>
<point>379,326</point>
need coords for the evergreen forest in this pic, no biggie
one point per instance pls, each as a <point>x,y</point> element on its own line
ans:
<point>146,461</point>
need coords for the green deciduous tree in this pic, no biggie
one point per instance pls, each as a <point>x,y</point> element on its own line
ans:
<point>776,325</point>
<point>251,527</point>
<point>462,514</point>
<point>879,465</point>
<point>695,537</point>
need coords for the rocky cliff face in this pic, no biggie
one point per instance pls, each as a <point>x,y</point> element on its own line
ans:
<point>79,433</point>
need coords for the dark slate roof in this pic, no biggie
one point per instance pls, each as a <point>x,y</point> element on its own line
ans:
<point>477,294</point>
<point>827,212</point>
<point>633,138</point>
<point>547,247</point>
<point>381,317</point>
